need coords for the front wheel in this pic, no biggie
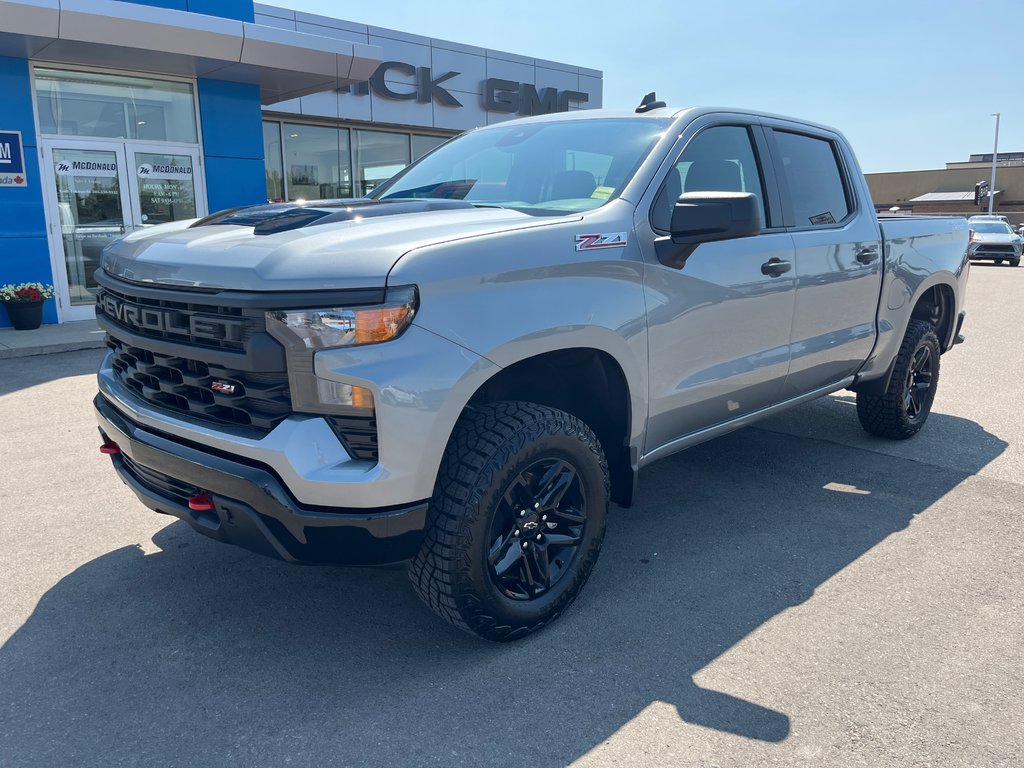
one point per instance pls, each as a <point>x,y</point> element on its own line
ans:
<point>903,409</point>
<point>516,522</point>
<point>1014,262</point>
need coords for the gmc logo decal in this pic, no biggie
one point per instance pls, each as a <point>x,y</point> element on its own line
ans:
<point>169,321</point>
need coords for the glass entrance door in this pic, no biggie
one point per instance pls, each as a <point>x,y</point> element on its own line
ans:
<point>165,184</point>
<point>102,190</point>
<point>90,209</point>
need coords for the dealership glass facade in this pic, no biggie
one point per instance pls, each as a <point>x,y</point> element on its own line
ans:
<point>113,137</point>
<point>308,161</point>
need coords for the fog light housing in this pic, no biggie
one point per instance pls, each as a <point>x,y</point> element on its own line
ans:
<point>336,393</point>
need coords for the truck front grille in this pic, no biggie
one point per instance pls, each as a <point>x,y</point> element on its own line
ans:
<point>181,352</point>
<point>185,322</point>
<point>203,390</point>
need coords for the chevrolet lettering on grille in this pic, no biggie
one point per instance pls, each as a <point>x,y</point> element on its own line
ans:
<point>169,321</point>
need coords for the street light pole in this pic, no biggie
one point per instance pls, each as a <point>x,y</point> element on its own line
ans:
<point>995,154</point>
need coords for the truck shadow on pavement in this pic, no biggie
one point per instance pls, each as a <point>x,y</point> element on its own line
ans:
<point>201,654</point>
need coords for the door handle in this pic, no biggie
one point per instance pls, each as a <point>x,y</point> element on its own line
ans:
<point>867,254</point>
<point>775,267</point>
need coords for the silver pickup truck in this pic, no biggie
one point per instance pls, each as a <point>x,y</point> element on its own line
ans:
<point>465,369</point>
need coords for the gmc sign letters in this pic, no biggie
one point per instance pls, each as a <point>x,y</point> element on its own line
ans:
<point>499,95</point>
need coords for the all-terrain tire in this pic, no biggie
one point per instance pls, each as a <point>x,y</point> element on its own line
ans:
<point>903,409</point>
<point>489,460</point>
<point>1014,262</point>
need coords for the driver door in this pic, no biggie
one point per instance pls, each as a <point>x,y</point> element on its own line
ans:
<point>719,327</point>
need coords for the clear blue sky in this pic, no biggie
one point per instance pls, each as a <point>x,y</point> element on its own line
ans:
<point>911,84</point>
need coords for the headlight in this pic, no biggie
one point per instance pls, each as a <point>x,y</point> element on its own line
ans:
<point>332,327</point>
<point>304,332</point>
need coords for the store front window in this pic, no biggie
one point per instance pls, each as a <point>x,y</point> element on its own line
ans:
<point>91,104</point>
<point>316,162</point>
<point>274,162</point>
<point>423,144</point>
<point>379,156</point>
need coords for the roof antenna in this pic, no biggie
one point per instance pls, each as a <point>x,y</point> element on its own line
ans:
<point>647,103</point>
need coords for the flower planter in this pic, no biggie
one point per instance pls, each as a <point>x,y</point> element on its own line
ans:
<point>25,315</point>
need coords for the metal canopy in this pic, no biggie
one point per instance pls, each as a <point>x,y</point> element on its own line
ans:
<point>109,33</point>
<point>947,197</point>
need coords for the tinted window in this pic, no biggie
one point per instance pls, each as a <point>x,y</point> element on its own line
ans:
<point>815,180</point>
<point>719,159</point>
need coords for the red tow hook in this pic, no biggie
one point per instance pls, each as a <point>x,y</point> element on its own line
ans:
<point>110,448</point>
<point>201,502</point>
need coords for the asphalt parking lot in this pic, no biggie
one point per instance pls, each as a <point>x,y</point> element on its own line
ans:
<point>796,593</point>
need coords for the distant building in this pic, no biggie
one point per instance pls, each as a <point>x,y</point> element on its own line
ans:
<point>950,190</point>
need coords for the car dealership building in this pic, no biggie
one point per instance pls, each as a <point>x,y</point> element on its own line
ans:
<point>119,115</point>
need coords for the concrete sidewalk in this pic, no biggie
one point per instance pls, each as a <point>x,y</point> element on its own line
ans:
<point>65,337</point>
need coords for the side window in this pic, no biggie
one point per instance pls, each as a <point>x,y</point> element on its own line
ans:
<point>815,180</point>
<point>719,159</point>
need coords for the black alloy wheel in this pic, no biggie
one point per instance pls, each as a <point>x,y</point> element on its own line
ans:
<point>537,529</point>
<point>516,522</point>
<point>917,391</point>
<point>903,408</point>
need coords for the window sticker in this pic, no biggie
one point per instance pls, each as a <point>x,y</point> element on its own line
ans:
<point>823,218</point>
<point>603,193</point>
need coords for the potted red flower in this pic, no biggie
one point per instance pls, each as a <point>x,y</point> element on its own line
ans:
<point>24,303</point>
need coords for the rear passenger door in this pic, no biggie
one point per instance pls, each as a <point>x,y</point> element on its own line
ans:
<point>838,259</point>
<point>719,326</point>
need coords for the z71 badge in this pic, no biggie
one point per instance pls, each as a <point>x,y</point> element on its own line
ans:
<point>603,240</point>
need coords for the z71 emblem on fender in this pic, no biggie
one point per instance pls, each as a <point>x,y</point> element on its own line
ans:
<point>602,240</point>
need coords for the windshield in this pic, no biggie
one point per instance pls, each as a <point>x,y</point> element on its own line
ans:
<point>541,168</point>
<point>991,227</point>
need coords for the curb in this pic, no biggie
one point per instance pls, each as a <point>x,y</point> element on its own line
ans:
<point>47,349</point>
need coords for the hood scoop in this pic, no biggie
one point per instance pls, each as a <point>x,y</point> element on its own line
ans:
<point>282,217</point>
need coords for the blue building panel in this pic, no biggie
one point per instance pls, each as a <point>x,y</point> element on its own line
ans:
<point>16,114</point>
<point>231,119</point>
<point>234,181</point>
<point>21,208</point>
<point>174,5</point>
<point>24,253</point>
<point>227,9</point>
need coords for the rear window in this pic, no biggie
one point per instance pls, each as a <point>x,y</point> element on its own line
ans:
<point>816,186</point>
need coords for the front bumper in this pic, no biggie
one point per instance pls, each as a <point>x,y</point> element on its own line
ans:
<point>991,252</point>
<point>251,507</point>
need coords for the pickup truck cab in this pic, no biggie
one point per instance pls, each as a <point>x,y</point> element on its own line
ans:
<point>463,370</point>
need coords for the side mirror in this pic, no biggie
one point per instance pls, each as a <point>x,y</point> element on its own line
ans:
<point>703,217</point>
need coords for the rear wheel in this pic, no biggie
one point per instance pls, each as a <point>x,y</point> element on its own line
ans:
<point>517,520</point>
<point>903,409</point>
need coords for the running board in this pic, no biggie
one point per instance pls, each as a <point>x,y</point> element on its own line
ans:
<point>694,438</point>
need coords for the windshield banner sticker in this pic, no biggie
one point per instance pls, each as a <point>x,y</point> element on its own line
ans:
<point>603,240</point>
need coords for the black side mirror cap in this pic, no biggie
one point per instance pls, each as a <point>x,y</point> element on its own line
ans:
<point>703,217</point>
